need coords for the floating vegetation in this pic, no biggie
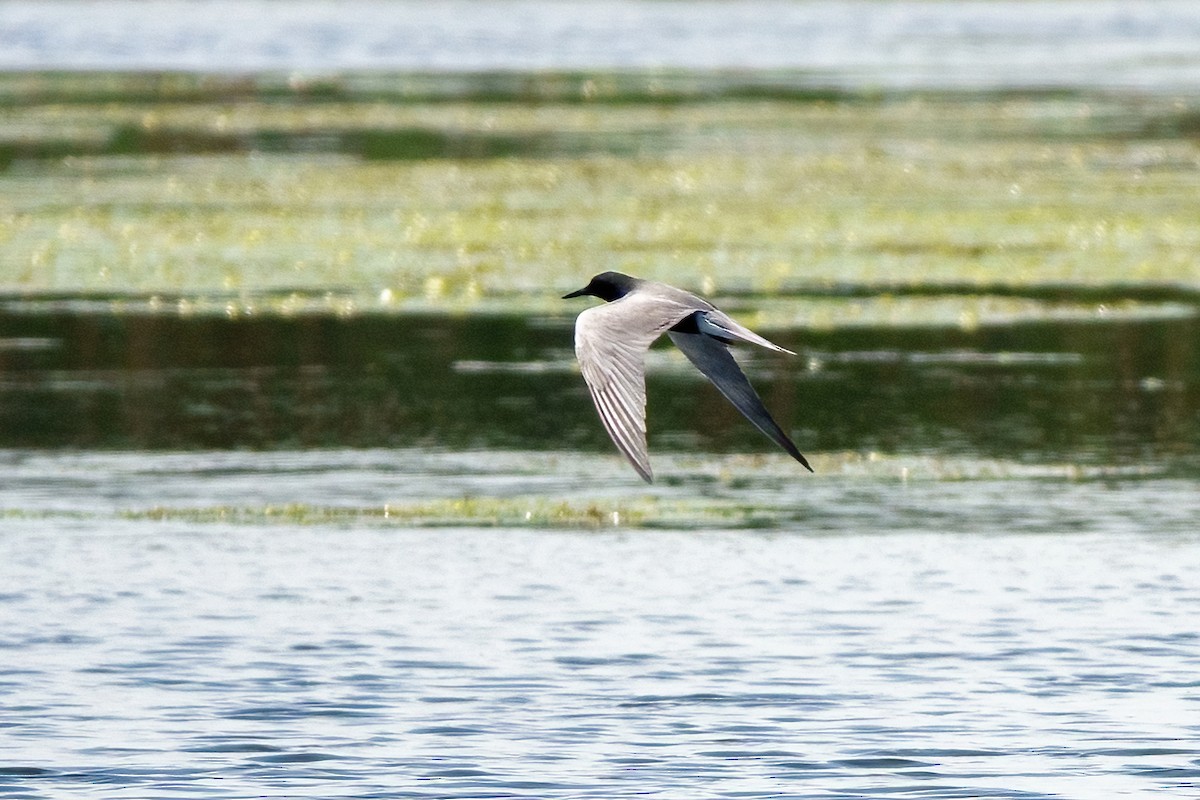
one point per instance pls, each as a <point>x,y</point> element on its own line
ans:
<point>353,193</point>
<point>491,512</point>
<point>756,492</point>
<point>467,511</point>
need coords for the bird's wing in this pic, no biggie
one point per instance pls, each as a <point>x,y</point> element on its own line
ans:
<point>712,357</point>
<point>611,342</point>
<point>721,325</point>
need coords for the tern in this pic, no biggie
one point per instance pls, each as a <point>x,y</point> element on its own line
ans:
<point>611,341</point>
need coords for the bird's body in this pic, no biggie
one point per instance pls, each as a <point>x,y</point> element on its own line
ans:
<point>611,341</point>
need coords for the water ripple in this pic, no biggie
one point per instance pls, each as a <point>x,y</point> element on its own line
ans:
<point>175,659</point>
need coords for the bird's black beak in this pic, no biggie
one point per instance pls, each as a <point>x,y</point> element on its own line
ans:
<point>576,293</point>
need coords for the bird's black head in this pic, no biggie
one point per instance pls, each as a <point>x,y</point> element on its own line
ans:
<point>608,286</point>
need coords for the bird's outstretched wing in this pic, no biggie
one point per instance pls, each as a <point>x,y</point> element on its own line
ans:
<point>611,342</point>
<point>719,324</point>
<point>712,357</point>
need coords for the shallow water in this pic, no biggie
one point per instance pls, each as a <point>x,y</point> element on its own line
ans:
<point>895,44</point>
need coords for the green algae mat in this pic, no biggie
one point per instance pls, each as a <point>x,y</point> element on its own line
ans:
<point>263,194</point>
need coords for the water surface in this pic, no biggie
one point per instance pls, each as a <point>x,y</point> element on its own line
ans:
<point>1013,638</point>
<point>210,585</point>
<point>1119,390</point>
<point>894,44</point>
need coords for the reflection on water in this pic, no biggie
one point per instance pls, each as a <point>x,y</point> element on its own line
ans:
<point>1096,392</point>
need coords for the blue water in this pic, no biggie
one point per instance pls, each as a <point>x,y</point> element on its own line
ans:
<point>860,43</point>
<point>1020,636</point>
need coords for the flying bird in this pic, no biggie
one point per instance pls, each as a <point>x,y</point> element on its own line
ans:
<point>611,341</point>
